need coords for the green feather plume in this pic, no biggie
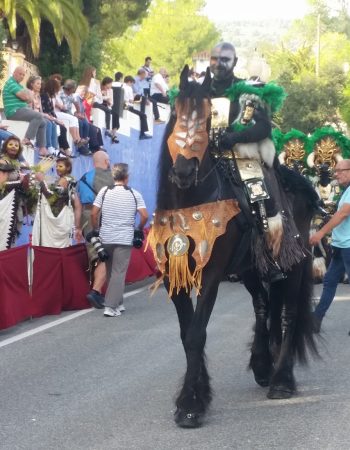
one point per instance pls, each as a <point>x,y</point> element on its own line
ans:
<point>342,141</point>
<point>172,94</point>
<point>270,93</point>
<point>280,139</point>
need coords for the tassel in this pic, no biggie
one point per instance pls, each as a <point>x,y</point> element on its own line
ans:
<point>179,274</point>
<point>292,248</point>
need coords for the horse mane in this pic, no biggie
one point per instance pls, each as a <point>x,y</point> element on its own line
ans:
<point>164,164</point>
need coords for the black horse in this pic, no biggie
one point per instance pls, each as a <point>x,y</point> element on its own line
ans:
<point>189,177</point>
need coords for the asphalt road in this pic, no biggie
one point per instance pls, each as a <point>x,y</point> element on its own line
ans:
<point>94,383</point>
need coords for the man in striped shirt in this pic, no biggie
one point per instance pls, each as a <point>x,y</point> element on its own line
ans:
<point>118,206</point>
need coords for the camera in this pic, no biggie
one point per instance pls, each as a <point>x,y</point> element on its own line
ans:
<point>138,239</point>
<point>93,238</point>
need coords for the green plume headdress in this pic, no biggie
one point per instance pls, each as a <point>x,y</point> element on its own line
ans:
<point>270,93</point>
<point>342,141</point>
<point>280,139</point>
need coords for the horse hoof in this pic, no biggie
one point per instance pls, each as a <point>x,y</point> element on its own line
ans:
<point>263,382</point>
<point>187,420</point>
<point>280,393</point>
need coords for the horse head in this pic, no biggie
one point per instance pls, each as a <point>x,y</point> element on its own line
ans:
<point>188,140</point>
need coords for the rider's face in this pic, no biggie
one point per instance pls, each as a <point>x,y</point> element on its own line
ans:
<point>222,62</point>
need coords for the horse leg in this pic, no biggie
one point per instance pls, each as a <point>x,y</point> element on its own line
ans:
<point>260,359</point>
<point>195,394</point>
<point>282,384</point>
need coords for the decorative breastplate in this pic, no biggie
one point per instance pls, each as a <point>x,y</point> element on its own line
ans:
<point>170,236</point>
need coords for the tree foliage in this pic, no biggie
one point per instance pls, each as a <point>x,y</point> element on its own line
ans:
<point>311,102</point>
<point>314,101</point>
<point>171,33</point>
<point>23,20</point>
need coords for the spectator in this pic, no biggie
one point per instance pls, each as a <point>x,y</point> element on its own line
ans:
<point>140,87</point>
<point>119,206</point>
<point>57,77</point>
<point>94,133</point>
<point>106,106</point>
<point>339,224</point>
<point>63,114</point>
<point>159,86</point>
<point>87,188</point>
<point>129,105</point>
<point>48,95</point>
<point>67,100</point>
<point>34,85</point>
<point>149,74</point>
<point>94,94</point>
<point>16,99</point>
<point>118,80</point>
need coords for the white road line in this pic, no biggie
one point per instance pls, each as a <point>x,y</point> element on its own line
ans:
<point>29,333</point>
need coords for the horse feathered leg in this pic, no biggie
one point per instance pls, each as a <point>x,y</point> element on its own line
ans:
<point>195,395</point>
<point>282,384</point>
<point>260,359</point>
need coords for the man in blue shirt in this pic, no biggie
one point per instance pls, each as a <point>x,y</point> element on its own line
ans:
<point>340,227</point>
<point>87,188</point>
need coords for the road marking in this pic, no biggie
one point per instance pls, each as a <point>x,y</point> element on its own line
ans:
<point>37,330</point>
<point>337,298</point>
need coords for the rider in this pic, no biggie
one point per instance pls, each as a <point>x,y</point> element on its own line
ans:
<point>222,63</point>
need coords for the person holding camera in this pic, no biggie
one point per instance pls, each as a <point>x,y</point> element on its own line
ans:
<point>118,207</point>
<point>87,189</point>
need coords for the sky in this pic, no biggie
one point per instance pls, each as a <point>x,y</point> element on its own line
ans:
<point>218,10</point>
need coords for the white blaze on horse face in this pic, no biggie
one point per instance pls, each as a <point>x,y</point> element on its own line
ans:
<point>189,137</point>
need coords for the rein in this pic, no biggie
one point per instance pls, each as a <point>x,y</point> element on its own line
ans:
<point>197,181</point>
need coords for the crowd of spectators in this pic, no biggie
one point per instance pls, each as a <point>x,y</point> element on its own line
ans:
<point>55,107</point>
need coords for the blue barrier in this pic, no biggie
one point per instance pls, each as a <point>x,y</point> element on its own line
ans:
<point>142,157</point>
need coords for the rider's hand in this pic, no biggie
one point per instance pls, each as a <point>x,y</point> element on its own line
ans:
<point>228,140</point>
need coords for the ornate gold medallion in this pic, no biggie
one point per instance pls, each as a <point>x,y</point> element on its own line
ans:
<point>178,245</point>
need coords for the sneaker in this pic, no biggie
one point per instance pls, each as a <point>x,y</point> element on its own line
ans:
<point>121,308</point>
<point>159,121</point>
<point>110,312</point>
<point>84,151</point>
<point>95,299</point>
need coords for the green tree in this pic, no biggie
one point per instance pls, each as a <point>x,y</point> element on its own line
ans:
<point>171,33</point>
<point>311,103</point>
<point>23,20</point>
<point>105,17</point>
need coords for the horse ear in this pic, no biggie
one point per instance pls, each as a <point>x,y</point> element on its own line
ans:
<point>184,77</point>
<point>207,81</point>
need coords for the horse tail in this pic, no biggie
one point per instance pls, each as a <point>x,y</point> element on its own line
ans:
<point>304,338</point>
